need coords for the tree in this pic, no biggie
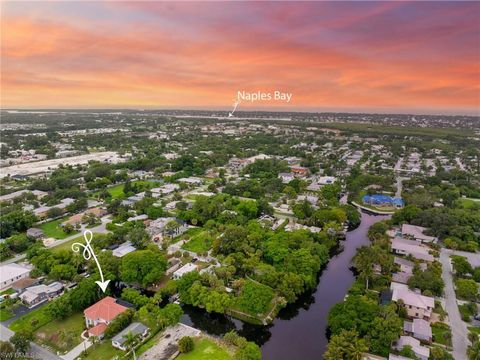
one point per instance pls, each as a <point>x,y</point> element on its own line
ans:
<point>21,340</point>
<point>54,212</point>
<point>461,266</point>
<point>355,313</point>
<point>467,289</point>
<point>59,308</point>
<point>250,351</point>
<point>185,344</point>
<point>130,342</point>
<point>120,322</point>
<point>347,346</point>
<point>384,330</point>
<point>364,261</point>
<point>473,351</point>
<point>142,267</point>
<point>139,237</point>
<point>438,353</point>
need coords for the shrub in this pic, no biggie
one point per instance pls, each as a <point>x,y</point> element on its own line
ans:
<point>186,344</point>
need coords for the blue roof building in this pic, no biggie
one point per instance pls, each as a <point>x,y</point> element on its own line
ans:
<point>383,200</point>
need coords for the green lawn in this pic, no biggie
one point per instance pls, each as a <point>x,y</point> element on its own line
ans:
<point>68,244</point>
<point>5,314</point>
<point>54,230</point>
<point>33,320</point>
<point>475,330</point>
<point>103,351</point>
<point>469,203</point>
<point>117,190</point>
<point>438,331</point>
<point>62,335</point>
<point>199,243</point>
<point>206,349</point>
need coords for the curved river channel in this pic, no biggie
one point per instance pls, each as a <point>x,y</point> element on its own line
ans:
<point>299,331</point>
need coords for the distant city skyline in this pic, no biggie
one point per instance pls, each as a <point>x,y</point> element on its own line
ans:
<point>383,57</point>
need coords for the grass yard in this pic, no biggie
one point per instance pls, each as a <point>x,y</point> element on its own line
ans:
<point>62,335</point>
<point>206,349</point>
<point>117,190</point>
<point>5,314</point>
<point>103,351</point>
<point>199,243</point>
<point>68,244</point>
<point>439,331</point>
<point>53,229</point>
<point>33,320</point>
<point>475,330</point>
<point>469,203</point>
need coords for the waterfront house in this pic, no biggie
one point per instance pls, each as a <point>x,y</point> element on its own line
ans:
<point>417,305</point>
<point>417,233</point>
<point>100,314</point>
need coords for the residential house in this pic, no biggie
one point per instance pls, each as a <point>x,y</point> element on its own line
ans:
<point>35,233</point>
<point>100,314</point>
<point>286,177</point>
<point>417,233</point>
<point>191,180</point>
<point>38,294</point>
<point>421,352</point>
<point>10,273</point>
<point>417,305</point>
<point>410,247</point>
<point>419,329</point>
<point>183,270</point>
<point>135,328</point>
<point>158,228</point>
<point>299,171</point>
<point>124,249</point>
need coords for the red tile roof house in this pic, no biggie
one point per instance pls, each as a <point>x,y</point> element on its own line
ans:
<point>100,314</point>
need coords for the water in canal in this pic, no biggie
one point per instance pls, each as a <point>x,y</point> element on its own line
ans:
<point>299,332</point>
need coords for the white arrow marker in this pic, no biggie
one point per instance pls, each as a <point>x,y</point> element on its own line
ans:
<point>235,104</point>
<point>88,253</point>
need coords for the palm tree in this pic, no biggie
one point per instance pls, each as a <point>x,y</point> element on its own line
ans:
<point>364,261</point>
<point>130,342</point>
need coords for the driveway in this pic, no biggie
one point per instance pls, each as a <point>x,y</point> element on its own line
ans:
<point>459,329</point>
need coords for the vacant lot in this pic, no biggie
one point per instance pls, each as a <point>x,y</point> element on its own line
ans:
<point>62,335</point>
<point>199,243</point>
<point>54,230</point>
<point>205,349</point>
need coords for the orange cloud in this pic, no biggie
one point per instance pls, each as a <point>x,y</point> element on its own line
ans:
<point>60,63</point>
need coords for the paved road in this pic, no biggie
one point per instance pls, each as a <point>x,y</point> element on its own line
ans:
<point>36,350</point>
<point>459,329</point>
<point>101,229</point>
<point>473,258</point>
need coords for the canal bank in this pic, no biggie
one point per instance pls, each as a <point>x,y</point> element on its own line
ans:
<point>299,332</point>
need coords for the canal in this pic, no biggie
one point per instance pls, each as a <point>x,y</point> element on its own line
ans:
<point>299,332</point>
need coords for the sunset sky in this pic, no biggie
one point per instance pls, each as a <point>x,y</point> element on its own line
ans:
<point>333,56</point>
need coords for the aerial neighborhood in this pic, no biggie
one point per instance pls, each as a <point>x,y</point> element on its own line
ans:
<point>196,224</point>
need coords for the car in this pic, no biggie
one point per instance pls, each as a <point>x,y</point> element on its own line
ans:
<point>477,317</point>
